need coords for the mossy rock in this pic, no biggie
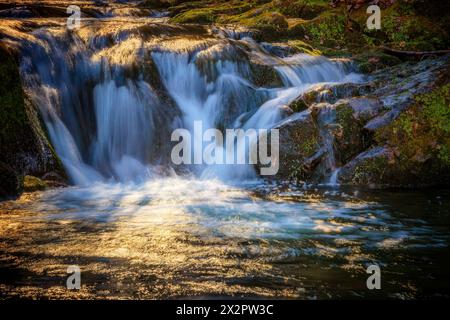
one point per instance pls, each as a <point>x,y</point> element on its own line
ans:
<point>406,27</point>
<point>305,9</point>
<point>31,184</point>
<point>350,138</point>
<point>265,76</point>
<point>421,134</point>
<point>328,29</point>
<point>270,26</point>
<point>299,145</point>
<point>24,145</point>
<point>302,47</point>
<point>305,101</point>
<point>203,15</point>
<point>375,60</point>
<point>384,167</point>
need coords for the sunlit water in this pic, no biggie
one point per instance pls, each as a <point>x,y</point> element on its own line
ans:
<point>177,237</point>
<point>110,95</point>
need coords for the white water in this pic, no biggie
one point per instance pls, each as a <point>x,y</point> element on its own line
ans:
<point>334,178</point>
<point>108,126</point>
<point>111,129</point>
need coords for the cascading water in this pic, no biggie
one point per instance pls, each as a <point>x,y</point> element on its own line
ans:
<point>107,122</point>
<point>111,95</point>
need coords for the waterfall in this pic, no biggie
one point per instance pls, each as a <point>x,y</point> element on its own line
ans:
<point>110,119</point>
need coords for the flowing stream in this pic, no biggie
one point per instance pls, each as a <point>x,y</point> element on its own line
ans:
<point>138,226</point>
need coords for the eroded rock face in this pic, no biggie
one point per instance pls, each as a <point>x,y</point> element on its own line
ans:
<point>300,150</point>
<point>382,167</point>
<point>397,86</point>
<point>345,119</point>
<point>24,147</point>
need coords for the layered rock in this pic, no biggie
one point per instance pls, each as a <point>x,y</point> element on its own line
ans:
<point>347,121</point>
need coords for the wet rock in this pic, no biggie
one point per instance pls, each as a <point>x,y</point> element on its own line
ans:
<point>299,146</point>
<point>31,184</point>
<point>365,108</point>
<point>265,76</point>
<point>383,166</point>
<point>382,121</point>
<point>397,86</point>
<point>24,146</point>
<point>54,180</point>
<point>349,138</point>
<point>329,93</point>
<point>367,168</point>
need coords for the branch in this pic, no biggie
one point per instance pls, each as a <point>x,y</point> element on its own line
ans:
<point>401,53</point>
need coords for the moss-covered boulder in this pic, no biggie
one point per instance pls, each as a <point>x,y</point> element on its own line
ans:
<point>203,15</point>
<point>305,9</point>
<point>383,167</point>
<point>371,61</point>
<point>24,146</point>
<point>31,184</point>
<point>350,138</point>
<point>328,29</point>
<point>413,150</point>
<point>299,146</point>
<point>265,76</point>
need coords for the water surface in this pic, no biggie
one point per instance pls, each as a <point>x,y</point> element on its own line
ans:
<point>175,238</point>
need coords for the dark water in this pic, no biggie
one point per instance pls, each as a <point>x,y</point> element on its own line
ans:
<point>174,238</point>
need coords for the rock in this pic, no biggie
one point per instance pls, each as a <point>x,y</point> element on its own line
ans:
<point>365,108</point>
<point>24,147</point>
<point>373,61</point>
<point>265,76</point>
<point>382,121</point>
<point>54,180</point>
<point>31,184</point>
<point>382,167</point>
<point>367,168</point>
<point>331,93</point>
<point>299,146</point>
<point>397,86</point>
<point>343,127</point>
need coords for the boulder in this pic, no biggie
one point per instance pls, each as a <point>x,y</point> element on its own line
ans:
<point>300,150</point>
<point>24,146</point>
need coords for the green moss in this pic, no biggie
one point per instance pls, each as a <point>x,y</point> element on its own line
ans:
<point>423,131</point>
<point>265,76</point>
<point>350,139</point>
<point>208,11</point>
<point>436,109</point>
<point>373,60</point>
<point>31,184</point>
<point>195,16</point>
<point>305,9</point>
<point>370,171</point>
<point>303,47</point>
<point>327,28</point>
<point>271,25</point>
<point>404,27</point>
<point>309,146</point>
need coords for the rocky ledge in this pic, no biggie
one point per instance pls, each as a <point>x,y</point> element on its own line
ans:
<point>391,131</point>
